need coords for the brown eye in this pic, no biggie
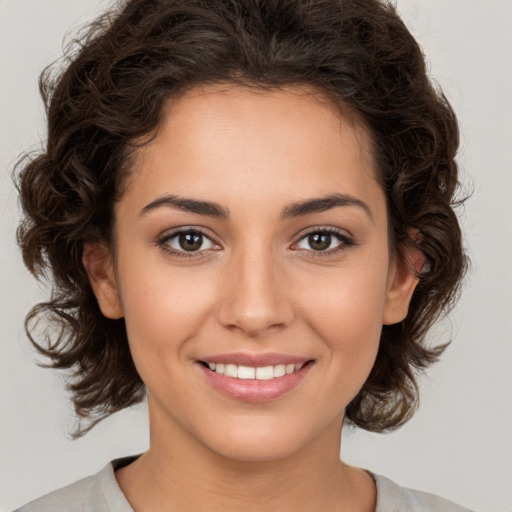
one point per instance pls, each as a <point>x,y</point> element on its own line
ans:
<point>319,241</point>
<point>190,241</point>
<point>325,241</point>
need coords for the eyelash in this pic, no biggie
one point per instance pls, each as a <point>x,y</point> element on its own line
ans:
<point>164,240</point>
<point>346,242</point>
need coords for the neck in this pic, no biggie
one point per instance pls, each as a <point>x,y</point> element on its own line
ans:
<point>177,473</point>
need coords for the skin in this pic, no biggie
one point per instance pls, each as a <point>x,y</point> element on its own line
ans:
<point>257,285</point>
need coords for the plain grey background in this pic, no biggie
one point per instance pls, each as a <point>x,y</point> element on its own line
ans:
<point>459,443</point>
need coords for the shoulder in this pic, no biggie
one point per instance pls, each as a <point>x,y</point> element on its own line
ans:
<point>85,494</point>
<point>393,498</point>
<point>95,493</point>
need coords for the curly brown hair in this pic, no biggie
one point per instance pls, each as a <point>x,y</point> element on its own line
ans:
<point>109,97</point>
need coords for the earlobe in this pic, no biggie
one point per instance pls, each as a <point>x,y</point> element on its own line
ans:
<point>402,281</point>
<point>97,261</point>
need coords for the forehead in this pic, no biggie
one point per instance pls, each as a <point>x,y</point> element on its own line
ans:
<point>227,141</point>
<point>258,116</point>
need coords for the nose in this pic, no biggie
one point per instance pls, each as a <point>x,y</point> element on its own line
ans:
<point>254,298</point>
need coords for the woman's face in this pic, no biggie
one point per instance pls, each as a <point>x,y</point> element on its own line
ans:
<point>252,238</point>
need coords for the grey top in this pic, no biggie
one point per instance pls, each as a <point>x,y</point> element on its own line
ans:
<point>101,493</point>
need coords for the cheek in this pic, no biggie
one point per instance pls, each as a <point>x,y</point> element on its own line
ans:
<point>346,314</point>
<point>349,303</point>
<point>164,308</point>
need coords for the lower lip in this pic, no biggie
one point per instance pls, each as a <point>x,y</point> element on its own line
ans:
<point>252,390</point>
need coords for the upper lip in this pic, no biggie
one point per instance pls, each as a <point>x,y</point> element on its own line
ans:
<point>248,359</point>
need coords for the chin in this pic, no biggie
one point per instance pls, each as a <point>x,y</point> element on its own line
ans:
<point>257,450</point>
<point>263,442</point>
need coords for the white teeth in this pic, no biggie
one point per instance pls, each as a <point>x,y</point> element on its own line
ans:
<point>246,372</point>
<point>230,370</point>
<point>279,370</point>
<point>258,373</point>
<point>264,372</point>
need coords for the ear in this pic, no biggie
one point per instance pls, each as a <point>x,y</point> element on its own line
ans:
<point>402,280</point>
<point>97,260</point>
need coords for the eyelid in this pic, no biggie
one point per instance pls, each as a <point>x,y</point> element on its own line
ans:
<point>346,240</point>
<point>163,240</point>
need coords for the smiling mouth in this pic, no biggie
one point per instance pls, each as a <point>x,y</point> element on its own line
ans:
<point>253,372</point>
<point>257,379</point>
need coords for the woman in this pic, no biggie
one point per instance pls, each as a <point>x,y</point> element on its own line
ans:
<point>247,211</point>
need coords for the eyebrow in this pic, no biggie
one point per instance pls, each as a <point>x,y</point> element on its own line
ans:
<point>298,209</point>
<point>321,204</point>
<point>189,205</point>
